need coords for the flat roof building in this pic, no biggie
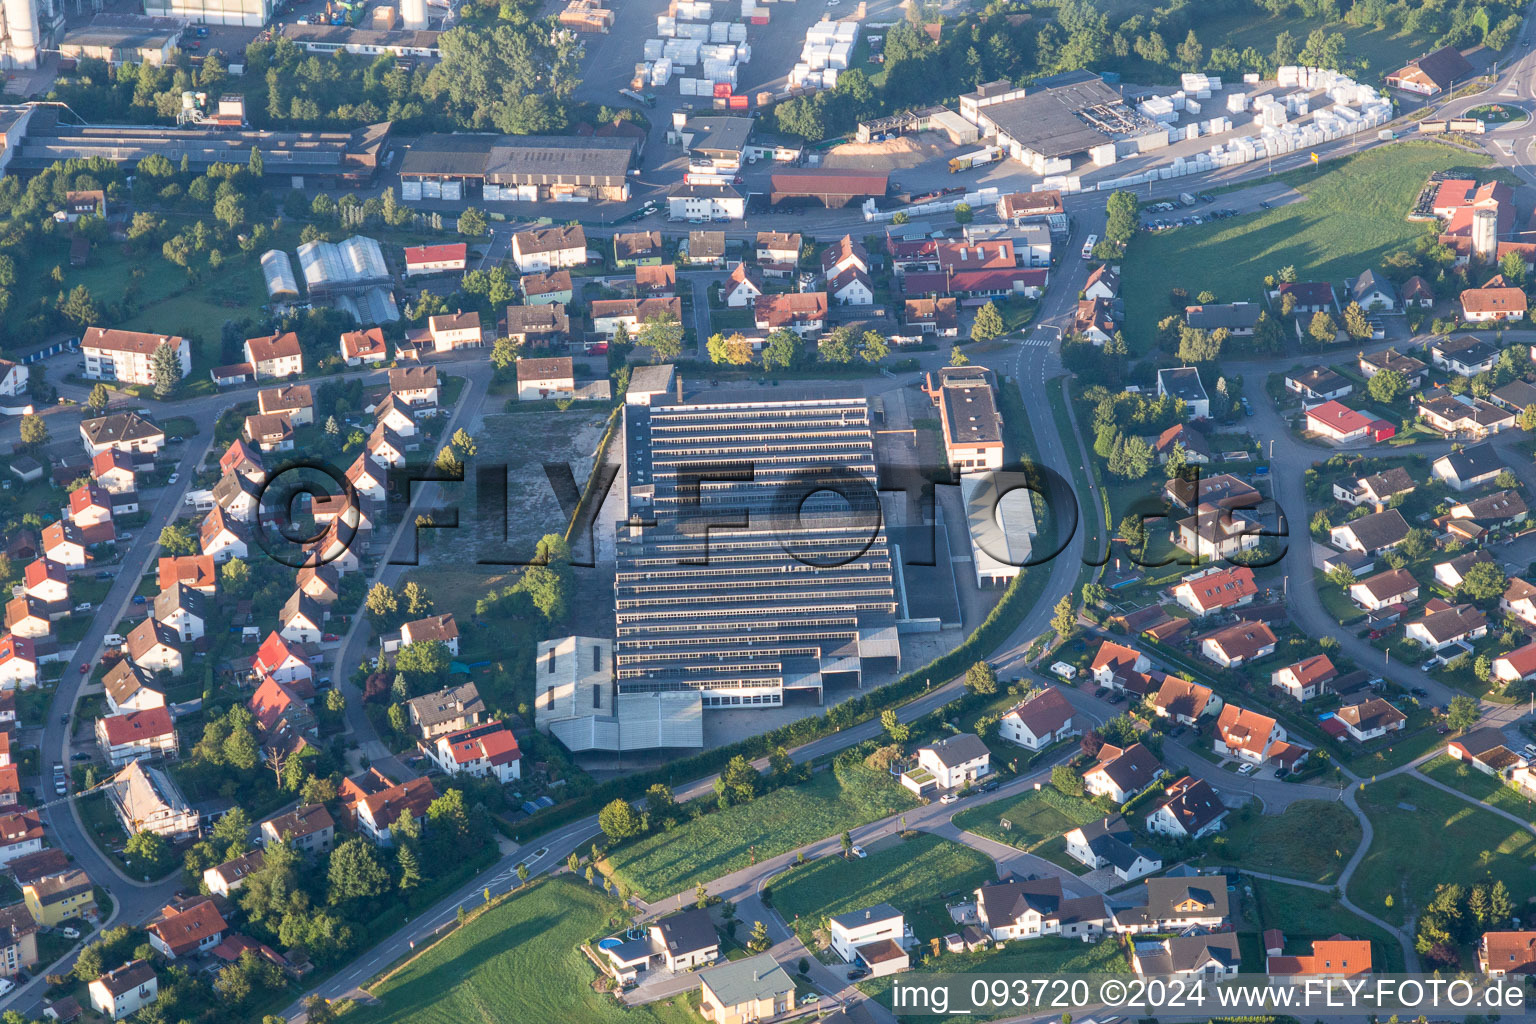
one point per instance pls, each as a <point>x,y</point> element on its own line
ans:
<point>520,167</point>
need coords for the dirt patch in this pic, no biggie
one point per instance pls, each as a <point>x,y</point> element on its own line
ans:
<point>905,151</point>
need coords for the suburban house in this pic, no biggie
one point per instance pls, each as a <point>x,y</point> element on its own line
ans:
<point>18,662</point>
<point>801,312</point>
<point>1247,735</point>
<point>372,802</point>
<point>128,356</point>
<point>280,660</point>
<point>1237,644</point>
<point>1307,296</point>
<point>480,750</point>
<point>1038,721</point>
<point>950,763</point>
<point>152,645</point>
<point>416,386</point>
<point>146,800</point>
<point>1471,467</point>
<point>706,248</point>
<point>127,432</point>
<point>1385,590</point>
<point>435,259</point>
<point>1372,534</point>
<point>1450,574</point>
<point>777,253</point>
<point>865,936</point>
<point>1340,424</point>
<point>1122,773</point>
<point>1216,590</point>
<point>1370,719</point>
<point>544,249</point>
<point>274,355</point>
<point>293,400</point>
<point>1114,660</point>
<point>1174,904</point>
<point>445,711</point>
<point>1203,955</point>
<point>539,326</point>
<point>744,991</point>
<point>1465,415</point>
<point>1035,907</point>
<point>309,827</point>
<point>136,734</point>
<point>181,608</point>
<point>1192,810</point>
<point>1377,489</point>
<point>743,286</point>
<point>638,248</point>
<point>1507,952</point>
<point>1464,354</point>
<point>192,927</point>
<point>539,379</point>
<point>1373,292</point>
<point>1197,450</point>
<point>1183,382</point>
<point>53,900</point>
<point>21,833</point>
<point>1432,73</point>
<point>1514,396</point>
<point>1183,701</point>
<point>128,688</point>
<point>46,581</point>
<point>367,346</point>
<point>1516,666</point>
<point>1484,750</point>
<point>1095,320</point>
<point>222,537</point>
<point>939,317</point>
<point>452,331</point>
<point>851,287</point>
<point>1318,384</point>
<point>1485,304</point>
<point>1305,679</point>
<point>440,628</point>
<point>117,474</point>
<point>1444,624</point>
<point>124,991</point>
<point>1519,600</point>
<point>608,315</point>
<point>1238,318</point>
<point>1103,283</point>
<point>680,942</point>
<point>223,879</point>
<point>1108,843</point>
<point>551,287</point>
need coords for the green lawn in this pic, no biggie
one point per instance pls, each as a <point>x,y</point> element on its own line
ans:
<point>1459,775</point>
<point>1036,818</point>
<point>1046,956</point>
<point>1442,838</point>
<point>1355,213</point>
<point>518,962</point>
<point>1312,841</point>
<point>1307,914</point>
<point>668,862</point>
<point>912,875</point>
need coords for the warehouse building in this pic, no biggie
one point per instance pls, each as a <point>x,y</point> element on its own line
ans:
<point>831,188</point>
<point>35,139</point>
<point>345,38</point>
<point>246,13</point>
<point>574,700</point>
<point>799,592</point>
<point>1054,121</point>
<point>512,168</point>
<point>124,39</point>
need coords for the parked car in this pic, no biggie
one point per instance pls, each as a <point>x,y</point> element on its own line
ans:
<point>858,851</point>
<point>1246,769</point>
<point>79,755</point>
<point>330,638</point>
<point>857,973</point>
<point>140,599</point>
<point>1101,692</point>
<point>948,798</point>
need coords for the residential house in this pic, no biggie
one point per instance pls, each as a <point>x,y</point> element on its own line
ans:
<point>128,356</point>
<point>146,800</point>
<point>1372,534</point>
<point>28,617</point>
<point>284,719</point>
<point>1305,679</point>
<point>117,474</point>
<point>18,938</point>
<point>1384,590</point>
<point>1484,750</point>
<point>1174,904</point>
<point>1018,208</point>
<point>14,379</point>
<point>280,660</point>
<point>743,286</point>
<point>302,619</point>
<point>1433,73</point>
<point>849,933</point>
<point>21,833</point>
<point>706,248</point>
<point>487,750</point>
<point>441,628</point>
<point>129,688</point>
<point>1445,624</point>
<point>801,312</point>
<point>124,991</point>
<point>656,281</point>
<point>1464,354</point>
<point>457,330</point>
<point>367,477</point>
<point>269,433</point>
<point>364,347</point>
<point>1416,292</point>
<point>372,803</point>
<point>1340,424</point>
<point>68,545</point>
<point>1036,907</point>
<point>1465,415</point>
<point>638,248</point>
<point>552,248</point>
<point>182,609</point>
<point>239,495</point>
<point>1507,952</point>
<point>1217,533</point>
<point>1121,774</point>
<point>1247,735</point>
<point>1197,450</point>
<point>46,581</point>
<point>1216,590</point>
<point>1095,320</point>
<point>136,734</point>
<point>1450,574</point>
<point>1309,296</point>
<point>540,379</point>
<point>1037,721</point>
<point>275,355</point>
<point>1184,382</point>
<point>90,506</point>
<point>1336,957</point>
<point>1109,843</point>
<point>844,254</point>
<point>969,419</point>
<point>1183,701</point>
<point>851,287</point>
<point>1471,467</point>
<point>309,827</point>
<point>1514,396</point>
<point>685,940</point>
<point>549,288</point>
<point>446,711</point>
<point>955,761</point>
<point>127,432</point>
<point>386,447</point>
<point>1192,810</point>
<point>633,314</point>
<point>182,930</point>
<point>416,386</point>
<point>1519,600</point>
<point>939,317</point>
<point>1237,318</point>
<point>778,253</point>
<point>1370,719</point>
<point>18,662</point>
<point>223,879</point>
<point>1189,955</point>
<point>320,582</point>
<point>1373,292</point>
<point>195,571</point>
<point>152,645</point>
<point>1114,660</point>
<point>1318,384</point>
<point>745,991</point>
<point>1502,508</point>
<point>222,537</point>
<point>1377,489</point>
<point>1103,283</point>
<point>1479,305</point>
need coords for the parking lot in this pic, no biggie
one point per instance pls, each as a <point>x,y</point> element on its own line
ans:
<point>1209,206</point>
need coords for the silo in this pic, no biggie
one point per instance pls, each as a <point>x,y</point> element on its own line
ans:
<point>1485,234</point>
<point>18,34</point>
<point>413,14</point>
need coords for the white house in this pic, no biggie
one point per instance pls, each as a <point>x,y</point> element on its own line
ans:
<point>1247,735</point>
<point>743,287</point>
<point>1305,679</point>
<point>1037,907</point>
<point>1122,773</point>
<point>128,356</point>
<point>856,928</point>
<point>1038,721</point>
<point>1108,843</point>
<point>482,750</point>
<point>539,379</point>
<point>1371,719</point>
<point>275,355</point>
<point>125,990</point>
<point>550,248</point>
<point>1184,382</point>
<point>950,763</point>
<point>1192,810</point>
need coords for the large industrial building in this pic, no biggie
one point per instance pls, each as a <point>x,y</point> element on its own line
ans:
<point>124,39</point>
<point>517,168</point>
<point>346,39</point>
<point>34,138</point>
<point>245,13</point>
<point>1054,121</point>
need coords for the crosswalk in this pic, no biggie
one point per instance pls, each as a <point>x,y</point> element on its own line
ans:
<point>1034,341</point>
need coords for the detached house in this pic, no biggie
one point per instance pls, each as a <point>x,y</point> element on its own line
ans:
<point>1372,534</point>
<point>441,628</point>
<point>549,288</point>
<point>278,659</point>
<point>1519,600</point>
<point>450,710</point>
<point>1174,904</point>
<point>1038,721</point>
<point>480,750</point>
<point>1202,955</point>
<point>1238,644</point>
<point>949,763</point>
<point>1114,660</point>
<point>1036,907</point>
<point>275,355</point>
<point>192,927</point>
<point>152,645</point>
<point>1318,384</point>
<point>1192,810</point>
<point>126,432</point>
<point>1384,590</point>
<point>1377,489</point>
<point>373,803</point>
<point>222,537</point>
<point>223,879</point>
<point>778,253</point>
<point>1247,735</point>
<point>182,609</point>
<point>1445,624</point>
<point>1122,773</point>
<point>868,937</point>
<point>1305,679</point>
<point>743,287</point>
<point>544,249</point>
<point>18,662</point>
<point>744,991</point>
<point>1390,359</point>
<point>309,827</point>
<point>364,347</point>
<point>1471,467</point>
<point>540,379</point>
<point>302,619</point>
<point>125,990</point>
<point>1109,843</point>
<point>136,734</point>
<point>1483,304</point>
<point>801,312</point>
<point>1370,719</point>
<point>129,688</point>
<point>46,581</point>
<point>1183,701</point>
<point>1507,952</point>
<point>1216,590</point>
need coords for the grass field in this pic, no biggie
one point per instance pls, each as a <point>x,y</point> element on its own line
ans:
<point>664,863</point>
<point>516,963</point>
<point>1036,818</point>
<point>1452,841</point>
<point>1475,784</point>
<point>912,875</point>
<point>1047,956</point>
<point>1307,914</point>
<point>1355,212</point>
<point>1312,841</point>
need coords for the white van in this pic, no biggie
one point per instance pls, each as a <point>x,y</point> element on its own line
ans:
<point>1088,244</point>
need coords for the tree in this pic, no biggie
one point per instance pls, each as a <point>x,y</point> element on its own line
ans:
<point>782,350</point>
<point>981,678</point>
<point>1322,329</point>
<point>1528,418</point>
<point>398,719</point>
<point>147,853</point>
<point>165,370</point>
<point>503,355</point>
<point>963,213</point>
<point>659,803</point>
<point>318,790</point>
<point>409,864</point>
<point>1121,217</point>
<point>618,820</point>
<point>663,335</point>
<point>1512,266</point>
<point>988,324</point>
<point>1064,619</point>
<point>418,603</point>
<point>235,575</point>
<point>1355,323</point>
<point>1191,53</point>
<point>1385,386</point>
<point>1483,581</point>
<point>1463,713</point>
<point>34,432</point>
<point>355,872</point>
<point>1341,576</point>
<point>957,357</point>
<point>729,351</point>
<point>424,661</point>
<point>873,347</point>
<point>231,833</point>
<point>741,779</point>
<point>177,539</point>
<point>472,223</point>
<point>836,346</point>
<point>780,763</point>
<point>382,603</point>
<point>1417,543</point>
<point>1066,780</point>
<point>759,941</point>
<point>893,726</point>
